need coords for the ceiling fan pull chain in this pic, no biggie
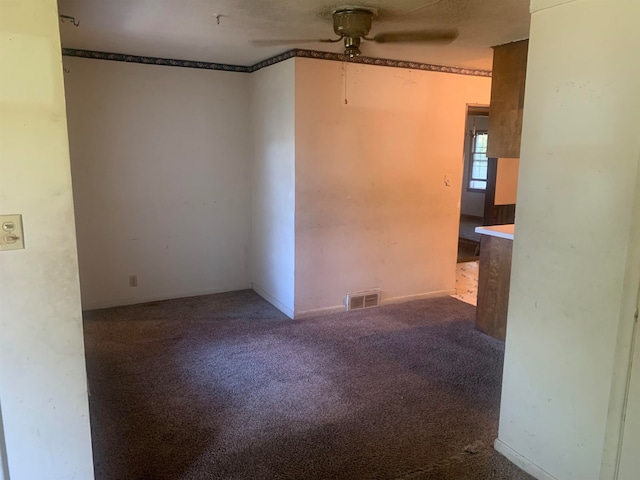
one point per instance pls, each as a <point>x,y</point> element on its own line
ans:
<point>344,71</point>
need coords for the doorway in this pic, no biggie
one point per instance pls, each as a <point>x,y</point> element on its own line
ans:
<point>472,200</point>
<point>474,182</point>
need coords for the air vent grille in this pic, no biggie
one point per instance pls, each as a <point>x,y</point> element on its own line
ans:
<point>371,300</point>
<point>357,301</point>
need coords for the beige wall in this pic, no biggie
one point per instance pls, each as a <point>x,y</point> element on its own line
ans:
<point>160,161</point>
<point>574,283</point>
<point>43,389</point>
<point>507,181</point>
<point>378,180</point>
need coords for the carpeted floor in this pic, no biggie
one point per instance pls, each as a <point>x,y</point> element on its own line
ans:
<point>225,387</point>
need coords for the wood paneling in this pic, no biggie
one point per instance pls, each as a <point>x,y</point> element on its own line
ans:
<point>493,285</point>
<point>507,99</point>
<point>502,215</point>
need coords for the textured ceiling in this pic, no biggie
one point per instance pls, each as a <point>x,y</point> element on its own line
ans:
<point>188,30</point>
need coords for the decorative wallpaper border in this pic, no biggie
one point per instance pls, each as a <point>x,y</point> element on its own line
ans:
<point>386,62</point>
<point>169,62</point>
<point>272,61</point>
<point>337,57</point>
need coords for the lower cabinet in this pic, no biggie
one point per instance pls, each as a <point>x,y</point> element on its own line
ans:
<point>493,285</point>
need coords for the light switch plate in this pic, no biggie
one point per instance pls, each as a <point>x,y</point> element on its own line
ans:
<point>11,237</point>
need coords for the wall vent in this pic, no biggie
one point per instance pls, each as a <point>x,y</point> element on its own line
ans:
<point>357,301</point>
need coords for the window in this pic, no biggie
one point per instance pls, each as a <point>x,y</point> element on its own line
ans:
<point>478,162</point>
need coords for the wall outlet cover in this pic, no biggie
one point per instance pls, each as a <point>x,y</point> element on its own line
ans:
<point>11,236</point>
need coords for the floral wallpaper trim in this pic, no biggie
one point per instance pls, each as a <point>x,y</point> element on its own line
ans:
<point>121,57</point>
<point>338,57</point>
<point>385,62</point>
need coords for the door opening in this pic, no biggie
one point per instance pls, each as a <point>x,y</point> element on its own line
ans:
<point>472,201</point>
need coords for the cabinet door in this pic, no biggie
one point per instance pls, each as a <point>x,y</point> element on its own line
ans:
<point>507,99</point>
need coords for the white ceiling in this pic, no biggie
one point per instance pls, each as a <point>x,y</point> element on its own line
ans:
<point>187,29</point>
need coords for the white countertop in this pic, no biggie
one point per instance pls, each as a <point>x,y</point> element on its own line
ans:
<point>502,231</point>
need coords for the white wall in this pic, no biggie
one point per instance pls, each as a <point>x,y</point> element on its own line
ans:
<point>472,203</point>
<point>629,459</point>
<point>161,174</point>
<point>624,408</point>
<point>273,172</point>
<point>4,464</point>
<point>378,180</point>
<point>43,389</point>
<point>572,294</point>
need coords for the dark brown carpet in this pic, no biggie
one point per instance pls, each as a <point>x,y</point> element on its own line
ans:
<point>225,387</point>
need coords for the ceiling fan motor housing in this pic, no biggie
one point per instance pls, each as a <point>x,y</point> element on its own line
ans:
<point>352,24</point>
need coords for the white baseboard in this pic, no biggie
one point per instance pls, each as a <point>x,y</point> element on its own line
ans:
<point>264,294</point>
<point>272,300</point>
<point>125,302</point>
<point>419,296</point>
<point>384,301</point>
<point>521,462</point>
<point>320,311</point>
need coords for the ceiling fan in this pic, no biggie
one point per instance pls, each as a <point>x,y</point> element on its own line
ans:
<point>352,24</point>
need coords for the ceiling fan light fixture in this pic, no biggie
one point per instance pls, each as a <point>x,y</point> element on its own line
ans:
<point>352,52</point>
<point>352,46</point>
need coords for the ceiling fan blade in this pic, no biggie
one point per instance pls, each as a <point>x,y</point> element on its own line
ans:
<point>275,43</point>
<point>420,36</point>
